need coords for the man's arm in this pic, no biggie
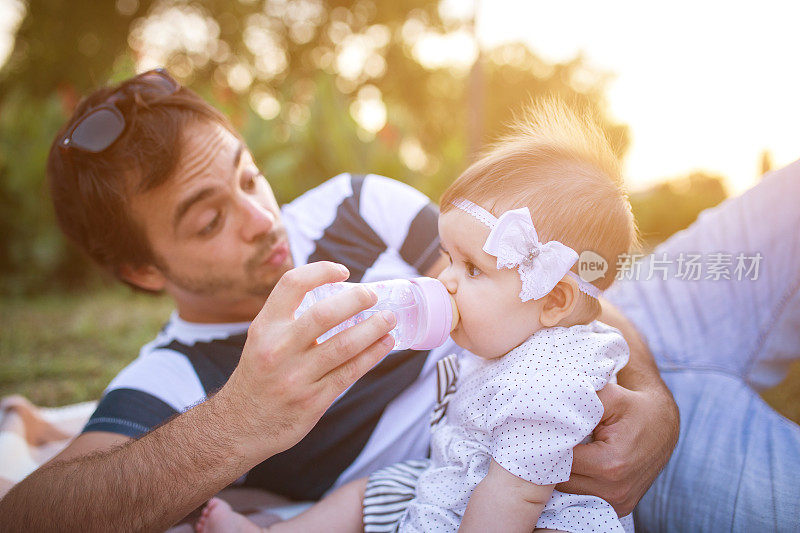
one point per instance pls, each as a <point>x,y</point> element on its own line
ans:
<point>283,384</point>
<point>641,372</point>
<point>505,503</point>
<point>145,484</point>
<point>637,434</point>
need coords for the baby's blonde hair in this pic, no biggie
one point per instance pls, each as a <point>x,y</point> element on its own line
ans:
<point>560,165</point>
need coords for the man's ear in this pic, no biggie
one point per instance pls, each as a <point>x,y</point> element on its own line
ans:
<point>147,277</point>
<point>560,302</point>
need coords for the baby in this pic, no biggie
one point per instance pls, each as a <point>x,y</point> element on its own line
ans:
<point>513,225</point>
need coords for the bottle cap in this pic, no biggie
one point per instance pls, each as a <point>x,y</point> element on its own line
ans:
<point>438,316</point>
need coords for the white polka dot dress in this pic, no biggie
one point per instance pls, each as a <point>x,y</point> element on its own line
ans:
<point>526,410</point>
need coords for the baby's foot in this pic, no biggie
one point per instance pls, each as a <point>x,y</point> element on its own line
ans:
<point>217,516</point>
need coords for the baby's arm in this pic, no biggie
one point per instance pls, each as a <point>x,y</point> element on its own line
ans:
<point>505,502</point>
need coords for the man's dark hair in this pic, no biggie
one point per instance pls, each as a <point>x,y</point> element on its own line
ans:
<point>91,191</point>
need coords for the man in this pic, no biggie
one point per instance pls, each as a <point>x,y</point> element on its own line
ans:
<point>158,188</point>
<point>717,334</point>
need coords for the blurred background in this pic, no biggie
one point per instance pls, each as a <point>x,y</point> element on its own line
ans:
<point>698,99</point>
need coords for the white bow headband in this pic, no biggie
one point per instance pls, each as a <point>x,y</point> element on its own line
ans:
<point>514,242</point>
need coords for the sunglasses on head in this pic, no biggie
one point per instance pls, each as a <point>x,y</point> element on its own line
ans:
<point>103,125</point>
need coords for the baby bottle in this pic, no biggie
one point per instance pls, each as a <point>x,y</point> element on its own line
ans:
<point>425,311</point>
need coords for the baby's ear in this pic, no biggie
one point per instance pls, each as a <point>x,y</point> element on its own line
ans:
<point>559,302</point>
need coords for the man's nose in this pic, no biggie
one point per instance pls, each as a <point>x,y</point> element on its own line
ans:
<point>257,219</point>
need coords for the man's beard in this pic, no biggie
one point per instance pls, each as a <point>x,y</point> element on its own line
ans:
<point>213,284</point>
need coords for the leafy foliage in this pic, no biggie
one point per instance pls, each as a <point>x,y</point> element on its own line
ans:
<point>317,88</point>
<point>673,205</point>
<point>32,249</point>
<point>71,45</point>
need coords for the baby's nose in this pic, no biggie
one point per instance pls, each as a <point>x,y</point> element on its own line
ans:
<point>448,280</point>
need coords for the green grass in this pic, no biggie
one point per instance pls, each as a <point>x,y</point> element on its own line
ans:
<point>61,349</point>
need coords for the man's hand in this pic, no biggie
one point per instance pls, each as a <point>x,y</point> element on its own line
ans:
<point>631,445</point>
<point>283,384</point>
<point>637,433</point>
<point>285,380</point>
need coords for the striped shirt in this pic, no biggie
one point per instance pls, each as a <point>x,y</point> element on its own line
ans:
<point>380,229</point>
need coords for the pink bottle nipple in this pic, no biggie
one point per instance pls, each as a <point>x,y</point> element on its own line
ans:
<point>439,316</point>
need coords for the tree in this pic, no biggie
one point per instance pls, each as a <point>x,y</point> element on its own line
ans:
<point>673,205</point>
<point>68,45</point>
<point>316,87</point>
<point>766,161</point>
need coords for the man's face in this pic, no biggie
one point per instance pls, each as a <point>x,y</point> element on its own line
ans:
<point>215,229</point>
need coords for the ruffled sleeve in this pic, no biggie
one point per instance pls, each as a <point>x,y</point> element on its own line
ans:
<point>536,423</point>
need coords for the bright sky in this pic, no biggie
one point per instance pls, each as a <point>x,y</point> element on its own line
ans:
<point>10,13</point>
<point>703,84</point>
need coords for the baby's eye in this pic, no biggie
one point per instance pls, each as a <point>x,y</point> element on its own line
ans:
<point>472,270</point>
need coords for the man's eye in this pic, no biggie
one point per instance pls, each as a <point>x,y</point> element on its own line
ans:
<point>472,270</point>
<point>208,228</point>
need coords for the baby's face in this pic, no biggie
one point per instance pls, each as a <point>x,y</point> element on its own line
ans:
<point>493,318</point>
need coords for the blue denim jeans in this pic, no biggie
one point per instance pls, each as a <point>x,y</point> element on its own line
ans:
<point>717,341</point>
